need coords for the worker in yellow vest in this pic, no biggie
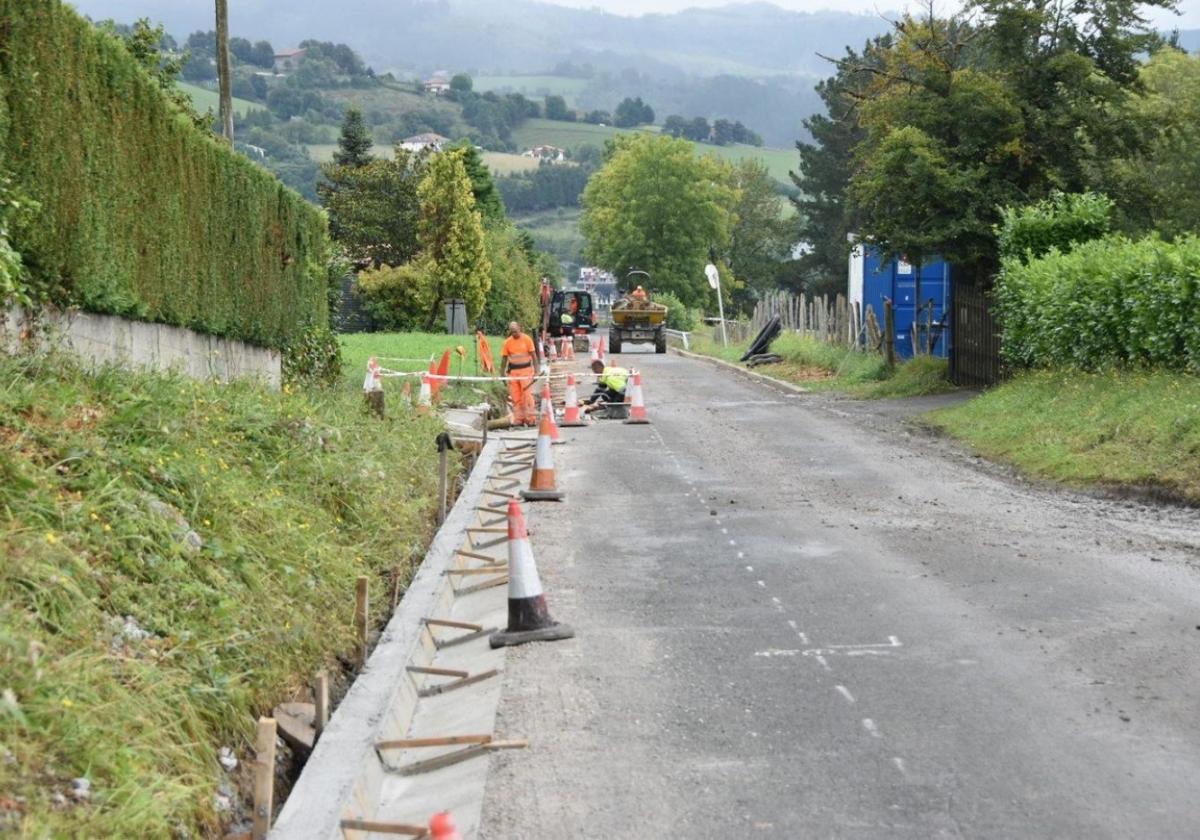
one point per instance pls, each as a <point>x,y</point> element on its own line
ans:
<point>610,386</point>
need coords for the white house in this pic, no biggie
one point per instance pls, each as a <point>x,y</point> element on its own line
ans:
<point>421,142</point>
<point>438,83</point>
<point>288,60</point>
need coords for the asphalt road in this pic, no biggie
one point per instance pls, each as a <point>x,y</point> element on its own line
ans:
<point>797,619</point>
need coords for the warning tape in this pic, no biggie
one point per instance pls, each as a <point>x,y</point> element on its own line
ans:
<point>393,374</point>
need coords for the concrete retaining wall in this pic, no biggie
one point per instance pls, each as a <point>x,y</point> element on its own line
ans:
<point>106,339</point>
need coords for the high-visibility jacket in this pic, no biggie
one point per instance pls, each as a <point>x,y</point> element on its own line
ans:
<point>615,378</point>
<point>519,351</point>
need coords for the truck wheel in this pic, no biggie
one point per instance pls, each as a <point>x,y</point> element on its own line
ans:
<point>614,342</point>
<point>660,343</point>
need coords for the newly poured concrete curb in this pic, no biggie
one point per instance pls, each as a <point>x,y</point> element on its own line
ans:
<point>769,381</point>
<point>344,776</point>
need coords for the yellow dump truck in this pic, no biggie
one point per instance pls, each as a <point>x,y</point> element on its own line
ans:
<point>638,319</point>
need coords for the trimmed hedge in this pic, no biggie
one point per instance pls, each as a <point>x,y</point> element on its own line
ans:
<point>141,214</point>
<point>1107,302</point>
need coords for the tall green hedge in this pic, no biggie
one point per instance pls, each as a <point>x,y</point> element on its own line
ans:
<point>1109,302</point>
<point>141,214</point>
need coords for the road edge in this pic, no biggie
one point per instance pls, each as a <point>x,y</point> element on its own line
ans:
<point>761,378</point>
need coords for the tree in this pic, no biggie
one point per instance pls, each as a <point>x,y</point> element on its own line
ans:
<point>698,130</point>
<point>556,109</point>
<point>633,112</point>
<point>655,206</point>
<point>761,238</point>
<point>146,43</point>
<point>723,133</point>
<point>598,118</point>
<point>515,280</point>
<point>487,197</point>
<point>450,232</point>
<point>263,55</point>
<point>462,83</point>
<point>373,208</point>
<point>355,143</point>
<point>675,126</point>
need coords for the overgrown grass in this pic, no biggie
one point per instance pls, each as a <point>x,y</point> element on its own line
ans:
<point>827,367</point>
<point>229,523</point>
<point>1115,429</point>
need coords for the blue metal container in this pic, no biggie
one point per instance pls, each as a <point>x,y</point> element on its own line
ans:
<point>913,293</point>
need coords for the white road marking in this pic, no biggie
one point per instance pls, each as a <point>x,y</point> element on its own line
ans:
<point>762,584</point>
<point>749,568</point>
<point>723,530</point>
<point>823,662</point>
<point>778,604</point>
<point>776,652</point>
<point>845,692</point>
<point>741,555</point>
<point>899,762</point>
<point>870,726</point>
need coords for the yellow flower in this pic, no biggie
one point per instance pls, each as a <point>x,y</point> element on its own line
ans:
<point>95,518</point>
<point>51,538</point>
<point>207,523</point>
<point>107,527</point>
<point>66,703</point>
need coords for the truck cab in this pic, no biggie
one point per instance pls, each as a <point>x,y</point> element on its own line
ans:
<point>572,312</point>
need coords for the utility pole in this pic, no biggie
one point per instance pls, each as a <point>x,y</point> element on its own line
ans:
<point>224,76</point>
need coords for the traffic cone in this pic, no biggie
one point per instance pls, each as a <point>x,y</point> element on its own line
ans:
<point>547,410</point>
<point>553,350</point>
<point>571,414</point>
<point>442,827</point>
<point>528,616</point>
<point>569,348</point>
<point>542,486</point>
<point>425,397</point>
<point>637,407</point>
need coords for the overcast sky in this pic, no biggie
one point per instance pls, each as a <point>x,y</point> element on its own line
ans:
<point>1166,20</point>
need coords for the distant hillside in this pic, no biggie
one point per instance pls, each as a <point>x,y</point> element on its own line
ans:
<point>523,36</point>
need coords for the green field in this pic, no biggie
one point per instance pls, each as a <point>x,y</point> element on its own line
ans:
<point>556,232</point>
<point>204,99</point>
<point>573,135</point>
<point>534,87</point>
<point>404,352</point>
<point>502,163</point>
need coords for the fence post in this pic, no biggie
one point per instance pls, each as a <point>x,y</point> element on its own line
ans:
<point>264,778</point>
<point>889,332</point>
<point>360,616</point>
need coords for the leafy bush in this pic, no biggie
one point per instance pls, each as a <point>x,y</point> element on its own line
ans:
<point>679,317</point>
<point>313,358</point>
<point>398,298</point>
<point>141,213</point>
<point>1059,222</point>
<point>1108,302</point>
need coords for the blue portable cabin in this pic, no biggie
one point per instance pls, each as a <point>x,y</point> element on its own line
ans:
<point>874,278</point>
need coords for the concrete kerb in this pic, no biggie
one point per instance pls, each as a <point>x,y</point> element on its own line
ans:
<point>344,775</point>
<point>769,381</point>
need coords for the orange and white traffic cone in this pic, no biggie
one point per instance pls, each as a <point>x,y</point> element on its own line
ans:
<point>425,397</point>
<point>542,484</point>
<point>528,616</point>
<point>547,410</point>
<point>572,416</point>
<point>435,384</point>
<point>569,348</point>
<point>553,354</point>
<point>637,406</point>
<point>442,827</point>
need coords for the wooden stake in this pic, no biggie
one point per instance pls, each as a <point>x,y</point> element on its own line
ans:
<point>493,570</point>
<point>264,777</point>
<point>434,690</point>
<point>361,605</point>
<point>459,755</point>
<point>444,741</point>
<point>321,703</point>
<point>458,625</point>
<point>437,672</point>
<point>444,445</point>
<point>889,332</point>
<point>376,827</point>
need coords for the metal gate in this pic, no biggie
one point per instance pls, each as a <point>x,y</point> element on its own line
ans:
<point>975,357</point>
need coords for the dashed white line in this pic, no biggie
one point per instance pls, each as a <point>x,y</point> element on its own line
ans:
<point>741,555</point>
<point>870,726</point>
<point>899,762</point>
<point>845,692</point>
<point>723,530</point>
<point>762,584</point>
<point>749,568</point>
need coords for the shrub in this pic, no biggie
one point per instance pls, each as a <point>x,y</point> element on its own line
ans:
<point>679,317</point>
<point>1059,222</point>
<point>314,358</point>
<point>1108,302</point>
<point>141,213</point>
<point>399,298</point>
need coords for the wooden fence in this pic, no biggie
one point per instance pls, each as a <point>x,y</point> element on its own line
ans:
<point>832,320</point>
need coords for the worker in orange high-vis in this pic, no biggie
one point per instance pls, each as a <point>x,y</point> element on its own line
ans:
<point>516,362</point>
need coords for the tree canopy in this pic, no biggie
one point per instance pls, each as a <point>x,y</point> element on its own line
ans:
<point>656,206</point>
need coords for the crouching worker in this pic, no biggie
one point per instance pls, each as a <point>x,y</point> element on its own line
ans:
<point>610,387</point>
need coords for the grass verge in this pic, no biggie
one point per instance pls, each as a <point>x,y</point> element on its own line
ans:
<point>401,352</point>
<point>826,367</point>
<point>178,557</point>
<point>1117,429</point>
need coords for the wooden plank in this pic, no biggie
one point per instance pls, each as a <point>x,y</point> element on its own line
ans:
<point>321,706</point>
<point>489,571</point>
<point>479,587</point>
<point>443,741</point>
<point>481,633</point>
<point>437,672</point>
<point>264,777</point>
<point>445,688</point>
<point>476,556</point>
<point>376,827</point>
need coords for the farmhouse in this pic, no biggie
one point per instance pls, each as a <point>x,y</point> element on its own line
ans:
<point>288,60</point>
<point>551,154</point>
<point>438,83</point>
<point>421,142</point>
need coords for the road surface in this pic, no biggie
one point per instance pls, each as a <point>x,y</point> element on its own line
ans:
<point>797,619</point>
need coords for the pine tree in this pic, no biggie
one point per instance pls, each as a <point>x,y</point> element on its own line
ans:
<point>450,232</point>
<point>354,145</point>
